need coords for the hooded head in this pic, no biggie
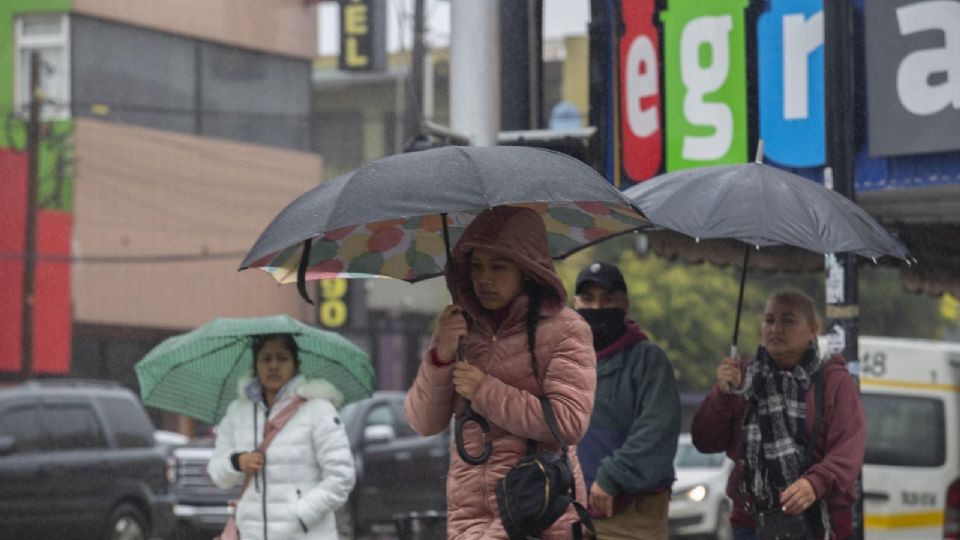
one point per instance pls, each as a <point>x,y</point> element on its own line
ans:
<point>513,233</point>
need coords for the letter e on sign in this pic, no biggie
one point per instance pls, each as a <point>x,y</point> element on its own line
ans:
<point>640,92</point>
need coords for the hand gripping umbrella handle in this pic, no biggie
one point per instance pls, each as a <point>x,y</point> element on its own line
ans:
<point>470,416</point>
<point>745,385</point>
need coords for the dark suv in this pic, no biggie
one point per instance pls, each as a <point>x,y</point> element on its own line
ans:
<point>78,460</point>
<point>398,473</point>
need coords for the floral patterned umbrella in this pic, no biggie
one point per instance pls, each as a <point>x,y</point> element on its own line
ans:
<point>398,216</point>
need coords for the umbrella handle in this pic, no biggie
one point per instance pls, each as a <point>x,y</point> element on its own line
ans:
<point>470,416</point>
<point>745,383</point>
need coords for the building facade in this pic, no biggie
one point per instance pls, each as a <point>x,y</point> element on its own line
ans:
<point>173,132</point>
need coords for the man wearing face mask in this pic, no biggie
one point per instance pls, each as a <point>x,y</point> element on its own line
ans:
<point>627,454</point>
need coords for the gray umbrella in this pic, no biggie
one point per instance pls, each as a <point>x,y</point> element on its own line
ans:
<point>761,206</point>
<point>398,216</point>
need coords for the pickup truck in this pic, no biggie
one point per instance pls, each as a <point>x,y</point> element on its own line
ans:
<point>399,473</point>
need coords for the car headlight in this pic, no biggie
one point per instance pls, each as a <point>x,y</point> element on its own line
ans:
<point>696,493</point>
<point>172,470</point>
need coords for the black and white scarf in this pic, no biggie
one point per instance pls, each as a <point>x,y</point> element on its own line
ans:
<point>774,428</point>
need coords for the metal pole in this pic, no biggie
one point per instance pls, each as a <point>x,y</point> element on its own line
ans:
<point>30,226</point>
<point>840,87</point>
<point>521,64</point>
<point>475,70</point>
<point>415,102</point>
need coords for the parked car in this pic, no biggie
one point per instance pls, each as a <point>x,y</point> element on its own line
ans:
<point>699,506</point>
<point>398,473</point>
<point>78,460</point>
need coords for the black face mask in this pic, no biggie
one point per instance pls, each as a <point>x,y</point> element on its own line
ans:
<point>608,325</point>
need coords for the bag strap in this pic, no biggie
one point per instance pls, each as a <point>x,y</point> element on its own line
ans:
<point>552,423</point>
<point>271,431</point>
<point>818,387</point>
<point>585,520</point>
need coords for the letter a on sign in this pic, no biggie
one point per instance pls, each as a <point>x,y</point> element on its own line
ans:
<point>913,76</point>
<point>640,91</point>
<point>705,69</point>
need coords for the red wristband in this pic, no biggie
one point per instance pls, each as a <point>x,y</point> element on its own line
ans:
<point>435,359</point>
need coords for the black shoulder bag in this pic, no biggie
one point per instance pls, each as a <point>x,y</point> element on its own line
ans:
<point>539,488</point>
<point>776,525</point>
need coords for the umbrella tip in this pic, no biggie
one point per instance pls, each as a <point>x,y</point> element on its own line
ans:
<point>759,156</point>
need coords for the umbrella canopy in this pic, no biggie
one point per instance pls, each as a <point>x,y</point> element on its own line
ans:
<point>388,218</point>
<point>196,374</point>
<point>762,206</point>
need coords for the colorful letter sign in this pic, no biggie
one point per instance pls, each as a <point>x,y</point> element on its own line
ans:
<point>790,66</point>
<point>640,91</point>
<point>913,76</point>
<point>705,71</point>
<point>362,35</point>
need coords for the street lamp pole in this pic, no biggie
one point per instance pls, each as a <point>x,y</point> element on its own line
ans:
<point>840,88</point>
<point>30,226</point>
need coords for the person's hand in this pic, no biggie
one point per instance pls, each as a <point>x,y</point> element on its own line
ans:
<point>250,462</point>
<point>466,379</point>
<point>601,500</point>
<point>450,329</point>
<point>798,497</point>
<point>728,375</point>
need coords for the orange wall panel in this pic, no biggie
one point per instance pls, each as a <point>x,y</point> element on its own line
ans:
<point>287,27</point>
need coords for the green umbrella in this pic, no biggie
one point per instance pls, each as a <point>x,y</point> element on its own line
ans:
<point>196,373</point>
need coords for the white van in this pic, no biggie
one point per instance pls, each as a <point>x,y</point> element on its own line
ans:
<point>911,476</point>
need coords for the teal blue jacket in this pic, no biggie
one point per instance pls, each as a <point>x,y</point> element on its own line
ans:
<point>632,440</point>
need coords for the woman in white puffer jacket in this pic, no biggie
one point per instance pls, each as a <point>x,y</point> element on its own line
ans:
<point>307,472</point>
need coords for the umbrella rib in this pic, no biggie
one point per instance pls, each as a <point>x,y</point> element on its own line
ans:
<point>479,176</point>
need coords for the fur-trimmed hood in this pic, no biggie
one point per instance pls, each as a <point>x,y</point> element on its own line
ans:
<point>249,389</point>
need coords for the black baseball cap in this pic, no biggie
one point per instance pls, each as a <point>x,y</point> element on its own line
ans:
<point>606,275</point>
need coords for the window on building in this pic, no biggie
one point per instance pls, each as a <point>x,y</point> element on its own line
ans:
<point>49,36</point>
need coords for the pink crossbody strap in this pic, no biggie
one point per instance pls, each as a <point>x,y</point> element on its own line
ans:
<point>273,429</point>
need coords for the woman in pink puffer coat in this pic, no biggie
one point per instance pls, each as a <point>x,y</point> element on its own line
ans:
<point>508,289</point>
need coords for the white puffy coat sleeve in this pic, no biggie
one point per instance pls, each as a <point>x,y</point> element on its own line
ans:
<point>332,452</point>
<point>220,468</point>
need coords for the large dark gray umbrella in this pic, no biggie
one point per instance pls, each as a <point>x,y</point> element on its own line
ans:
<point>398,217</point>
<point>761,206</point>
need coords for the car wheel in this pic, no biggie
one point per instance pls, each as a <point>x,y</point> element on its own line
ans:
<point>126,522</point>
<point>724,531</point>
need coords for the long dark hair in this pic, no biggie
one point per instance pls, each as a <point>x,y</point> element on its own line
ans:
<point>285,339</point>
<point>534,296</point>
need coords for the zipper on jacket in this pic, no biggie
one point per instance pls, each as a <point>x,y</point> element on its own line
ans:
<point>263,472</point>
<point>302,524</point>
